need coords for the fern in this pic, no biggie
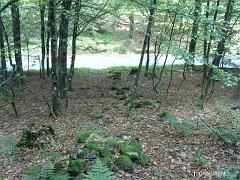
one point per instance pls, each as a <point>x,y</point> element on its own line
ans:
<point>48,170</point>
<point>100,171</point>
<point>7,144</point>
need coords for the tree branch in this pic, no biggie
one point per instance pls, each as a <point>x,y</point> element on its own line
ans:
<point>8,4</point>
<point>212,129</point>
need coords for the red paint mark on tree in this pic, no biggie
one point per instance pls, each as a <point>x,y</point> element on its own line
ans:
<point>64,61</point>
<point>55,60</point>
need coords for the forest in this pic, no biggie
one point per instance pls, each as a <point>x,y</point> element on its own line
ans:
<point>157,120</point>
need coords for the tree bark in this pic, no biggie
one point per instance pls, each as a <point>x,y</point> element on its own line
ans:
<point>74,40</point>
<point>43,48</point>
<point>62,51</point>
<point>56,104</point>
<point>193,41</point>
<point>3,57</point>
<point>17,37</point>
<point>148,32</point>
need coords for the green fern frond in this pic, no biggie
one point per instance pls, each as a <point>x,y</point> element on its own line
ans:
<point>100,171</point>
<point>29,177</point>
<point>48,170</point>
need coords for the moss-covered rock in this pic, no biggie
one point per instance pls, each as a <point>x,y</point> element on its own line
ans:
<point>135,142</point>
<point>125,163</point>
<point>58,166</point>
<point>96,115</point>
<point>33,171</point>
<point>105,153</point>
<point>134,154</point>
<point>77,166</point>
<point>112,143</point>
<point>93,146</point>
<point>84,136</point>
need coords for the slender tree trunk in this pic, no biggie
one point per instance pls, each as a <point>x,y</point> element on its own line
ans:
<point>42,14</point>
<point>193,41</point>
<point>221,44</point>
<point>2,52</point>
<point>74,40</point>
<point>56,104</point>
<point>62,52</point>
<point>8,46</point>
<point>48,45</point>
<point>148,32</point>
<point>131,28</point>
<point>17,37</point>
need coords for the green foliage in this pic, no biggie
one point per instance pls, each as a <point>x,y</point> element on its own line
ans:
<point>47,172</point>
<point>96,115</point>
<point>135,112</point>
<point>200,161</point>
<point>50,154</point>
<point>7,144</point>
<point>33,171</point>
<point>148,102</point>
<point>99,171</point>
<point>230,175</point>
<point>84,136</point>
<point>109,121</point>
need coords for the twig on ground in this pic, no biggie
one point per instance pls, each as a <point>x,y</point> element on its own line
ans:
<point>212,129</point>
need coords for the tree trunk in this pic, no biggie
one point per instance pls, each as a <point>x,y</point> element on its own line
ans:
<point>193,42</point>
<point>74,40</point>
<point>221,44</point>
<point>131,28</point>
<point>56,104</point>
<point>42,14</point>
<point>17,37</point>
<point>62,52</point>
<point>3,57</point>
<point>48,44</point>
<point>148,32</point>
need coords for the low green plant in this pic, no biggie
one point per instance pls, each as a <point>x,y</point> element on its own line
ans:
<point>230,175</point>
<point>96,115</point>
<point>8,147</point>
<point>50,154</point>
<point>136,114</point>
<point>200,161</point>
<point>47,172</point>
<point>99,171</point>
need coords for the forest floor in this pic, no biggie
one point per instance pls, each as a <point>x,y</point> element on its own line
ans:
<point>171,152</point>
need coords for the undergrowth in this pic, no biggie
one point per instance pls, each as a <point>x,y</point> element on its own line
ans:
<point>99,171</point>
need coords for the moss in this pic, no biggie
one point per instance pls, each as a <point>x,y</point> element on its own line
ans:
<point>105,153</point>
<point>165,114</point>
<point>59,166</point>
<point>33,171</point>
<point>148,102</point>
<point>77,166</point>
<point>135,142</point>
<point>96,116</point>
<point>83,137</point>
<point>109,121</point>
<point>134,154</point>
<point>112,143</point>
<point>137,104</point>
<point>93,146</point>
<point>125,163</point>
